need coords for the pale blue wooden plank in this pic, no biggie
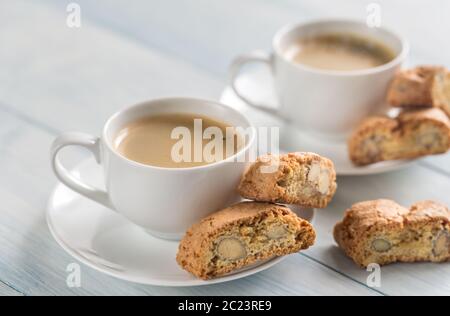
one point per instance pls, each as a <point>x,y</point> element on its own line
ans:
<point>6,290</point>
<point>439,163</point>
<point>76,78</point>
<point>204,34</point>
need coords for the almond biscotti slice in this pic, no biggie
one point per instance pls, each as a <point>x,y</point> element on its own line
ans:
<point>412,87</point>
<point>412,134</point>
<point>305,179</point>
<point>384,232</point>
<point>241,235</point>
<point>440,91</point>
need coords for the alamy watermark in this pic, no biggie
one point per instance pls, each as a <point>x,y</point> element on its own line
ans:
<point>373,19</point>
<point>374,279</point>
<point>73,279</point>
<point>74,15</point>
<point>214,144</point>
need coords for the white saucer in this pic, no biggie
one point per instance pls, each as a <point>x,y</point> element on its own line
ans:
<point>105,241</point>
<point>258,86</point>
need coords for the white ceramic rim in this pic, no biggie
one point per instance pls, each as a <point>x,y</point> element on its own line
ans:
<point>401,56</point>
<point>177,99</point>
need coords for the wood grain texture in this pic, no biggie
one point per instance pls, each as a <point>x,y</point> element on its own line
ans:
<point>91,71</point>
<point>6,290</point>
<point>54,78</point>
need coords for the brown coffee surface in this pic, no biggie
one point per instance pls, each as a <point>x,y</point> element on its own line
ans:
<point>151,140</point>
<point>342,52</point>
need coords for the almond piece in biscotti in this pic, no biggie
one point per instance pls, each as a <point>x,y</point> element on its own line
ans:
<point>276,232</point>
<point>231,248</point>
<point>441,244</point>
<point>381,245</point>
<point>241,235</point>
<point>304,179</point>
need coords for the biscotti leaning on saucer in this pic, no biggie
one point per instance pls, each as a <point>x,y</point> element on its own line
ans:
<point>304,179</point>
<point>412,87</point>
<point>440,91</point>
<point>241,235</point>
<point>423,86</point>
<point>414,133</point>
<point>384,232</point>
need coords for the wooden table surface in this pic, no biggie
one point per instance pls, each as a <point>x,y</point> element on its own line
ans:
<point>54,78</point>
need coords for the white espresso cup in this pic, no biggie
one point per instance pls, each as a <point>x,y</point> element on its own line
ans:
<point>324,103</point>
<point>164,201</point>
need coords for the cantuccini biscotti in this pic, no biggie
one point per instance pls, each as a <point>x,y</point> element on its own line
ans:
<point>412,87</point>
<point>384,232</point>
<point>414,133</point>
<point>241,235</point>
<point>440,91</point>
<point>305,179</point>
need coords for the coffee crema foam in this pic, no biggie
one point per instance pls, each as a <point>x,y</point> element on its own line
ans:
<point>178,140</point>
<point>340,51</point>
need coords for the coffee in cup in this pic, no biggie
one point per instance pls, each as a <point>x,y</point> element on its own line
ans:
<point>165,201</point>
<point>178,140</point>
<point>339,51</point>
<point>328,75</point>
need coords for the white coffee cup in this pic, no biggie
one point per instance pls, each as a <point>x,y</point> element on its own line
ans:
<point>164,201</point>
<point>324,103</point>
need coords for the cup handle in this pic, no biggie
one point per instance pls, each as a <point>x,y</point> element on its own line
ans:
<point>93,145</point>
<point>235,69</point>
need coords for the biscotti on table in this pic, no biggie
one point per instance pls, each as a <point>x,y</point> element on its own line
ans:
<point>304,179</point>
<point>241,235</point>
<point>414,133</point>
<point>384,232</point>
<point>423,86</point>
